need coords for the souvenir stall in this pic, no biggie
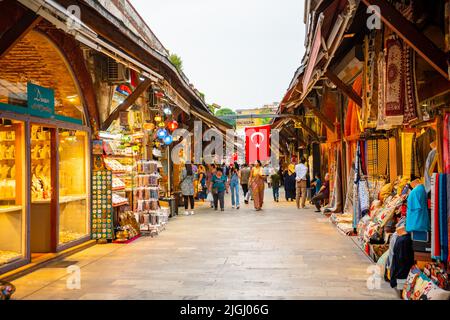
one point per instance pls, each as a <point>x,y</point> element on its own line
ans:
<point>136,153</point>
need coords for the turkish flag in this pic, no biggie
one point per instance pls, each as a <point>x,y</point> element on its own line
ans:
<point>257,143</point>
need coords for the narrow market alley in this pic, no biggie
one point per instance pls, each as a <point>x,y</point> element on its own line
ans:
<point>280,253</point>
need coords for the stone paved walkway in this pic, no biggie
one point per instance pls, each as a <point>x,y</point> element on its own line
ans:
<point>281,253</point>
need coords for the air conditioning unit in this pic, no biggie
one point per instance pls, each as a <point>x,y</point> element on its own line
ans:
<point>116,72</point>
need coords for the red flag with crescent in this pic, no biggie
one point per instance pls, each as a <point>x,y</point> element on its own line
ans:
<point>257,143</point>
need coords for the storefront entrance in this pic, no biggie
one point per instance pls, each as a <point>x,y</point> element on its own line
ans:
<point>42,196</point>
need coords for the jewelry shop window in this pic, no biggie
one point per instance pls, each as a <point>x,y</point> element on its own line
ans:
<point>12,192</point>
<point>73,189</point>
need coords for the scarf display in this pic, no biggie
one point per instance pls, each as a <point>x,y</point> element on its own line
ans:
<point>336,202</point>
<point>435,251</point>
<point>440,187</point>
<point>394,82</point>
<point>443,220</point>
<point>446,143</point>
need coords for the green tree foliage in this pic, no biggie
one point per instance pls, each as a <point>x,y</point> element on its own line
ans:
<point>227,112</point>
<point>176,61</point>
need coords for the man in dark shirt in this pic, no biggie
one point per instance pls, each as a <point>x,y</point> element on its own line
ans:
<point>276,181</point>
<point>324,193</point>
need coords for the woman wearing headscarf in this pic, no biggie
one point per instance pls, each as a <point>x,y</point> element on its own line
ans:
<point>290,183</point>
<point>257,184</point>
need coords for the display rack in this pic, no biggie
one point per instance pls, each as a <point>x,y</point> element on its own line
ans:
<point>102,208</point>
<point>146,198</point>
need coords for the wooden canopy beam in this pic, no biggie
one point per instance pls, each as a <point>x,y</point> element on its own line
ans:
<point>17,31</point>
<point>144,85</point>
<point>317,113</point>
<point>348,91</point>
<point>409,33</point>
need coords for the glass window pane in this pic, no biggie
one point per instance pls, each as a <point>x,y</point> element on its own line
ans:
<point>73,193</point>
<point>12,184</point>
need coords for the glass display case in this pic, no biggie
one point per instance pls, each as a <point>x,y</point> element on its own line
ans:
<point>12,192</point>
<point>73,188</point>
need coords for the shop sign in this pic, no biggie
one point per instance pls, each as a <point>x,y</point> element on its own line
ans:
<point>41,101</point>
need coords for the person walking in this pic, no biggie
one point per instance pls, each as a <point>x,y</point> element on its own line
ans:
<point>234,185</point>
<point>323,194</point>
<point>301,170</point>
<point>187,189</point>
<point>276,182</point>
<point>257,185</point>
<point>245,176</point>
<point>218,188</point>
<point>289,183</point>
<point>202,189</point>
<point>210,174</point>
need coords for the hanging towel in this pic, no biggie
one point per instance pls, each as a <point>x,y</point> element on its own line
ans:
<point>443,223</point>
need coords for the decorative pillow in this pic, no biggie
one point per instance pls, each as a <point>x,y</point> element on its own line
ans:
<point>433,292</point>
<point>421,283</point>
<point>410,284</point>
<point>436,272</point>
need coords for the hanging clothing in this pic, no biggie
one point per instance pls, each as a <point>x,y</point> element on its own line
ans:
<point>402,259</point>
<point>435,231</point>
<point>417,219</point>
<point>429,166</point>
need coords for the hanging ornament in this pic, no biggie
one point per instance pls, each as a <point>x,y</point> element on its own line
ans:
<point>173,125</point>
<point>161,125</point>
<point>168,140</point>
<point>158,119</point>
<point>149,126</point>
<point>162,133</point>
<point>167,111</point>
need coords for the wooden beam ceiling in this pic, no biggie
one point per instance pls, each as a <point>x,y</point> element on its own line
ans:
<point>317,113</point>
<point>348,91</point>
<point>16,32</point>
<point>141,88</point>
<point>413,37</point>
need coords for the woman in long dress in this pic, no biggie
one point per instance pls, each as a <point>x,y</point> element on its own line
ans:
<point>289,183</point>
<point>257,185</point>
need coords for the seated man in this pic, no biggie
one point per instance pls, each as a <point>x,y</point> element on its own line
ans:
<point>323,194</point>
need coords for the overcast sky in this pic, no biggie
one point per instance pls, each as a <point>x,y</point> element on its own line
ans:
<point>240,53</point>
